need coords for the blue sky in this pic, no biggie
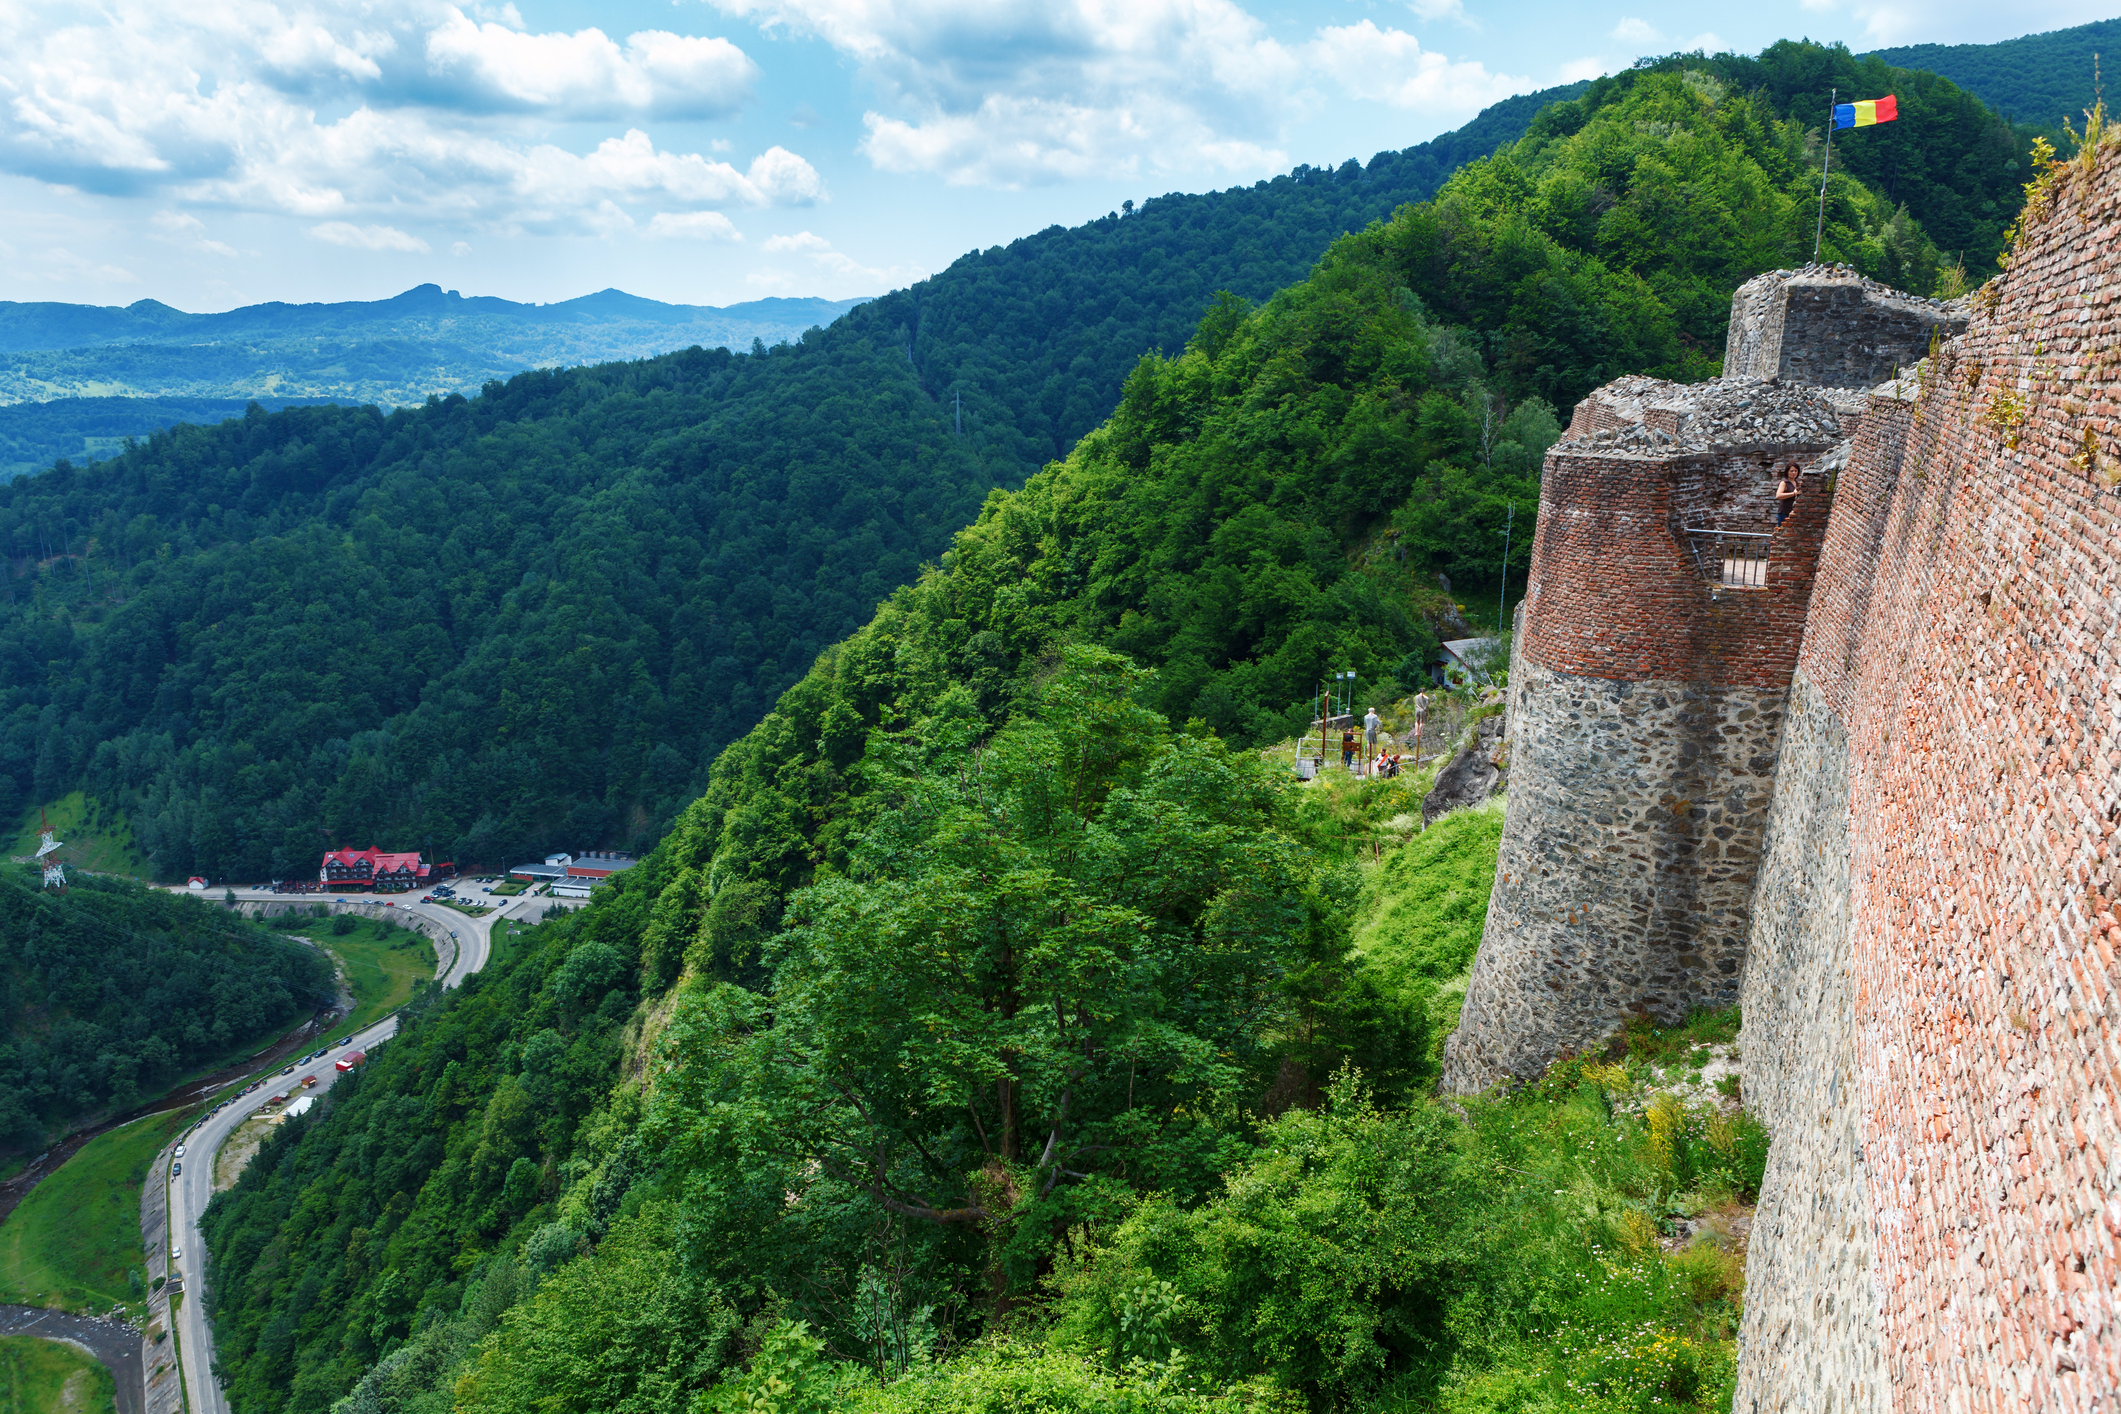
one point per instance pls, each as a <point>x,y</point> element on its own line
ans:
<point>712,151</point>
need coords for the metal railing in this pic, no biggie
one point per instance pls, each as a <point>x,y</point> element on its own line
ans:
<point>1735,559</point>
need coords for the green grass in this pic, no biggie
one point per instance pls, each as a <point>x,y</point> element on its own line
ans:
<point>384,963</point>
<point>73,1240</point>
<point>98,841</point>
<point>46,1377</point>
<point>1423,908</point>
<point>511,888</point>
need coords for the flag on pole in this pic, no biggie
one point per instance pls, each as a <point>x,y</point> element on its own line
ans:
<point>1862,115</point>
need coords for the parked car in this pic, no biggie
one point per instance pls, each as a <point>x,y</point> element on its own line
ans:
<point>180,1151</point>
<point>175,1169</point>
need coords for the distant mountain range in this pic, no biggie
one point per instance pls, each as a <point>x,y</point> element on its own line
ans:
<point>75,380</point>
<point>2039,79</point>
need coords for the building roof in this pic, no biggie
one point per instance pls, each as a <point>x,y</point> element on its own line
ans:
<point>381,861</point>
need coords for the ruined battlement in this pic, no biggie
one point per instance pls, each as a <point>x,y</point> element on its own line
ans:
<point>1873,792</point>
<point>1828,326</point>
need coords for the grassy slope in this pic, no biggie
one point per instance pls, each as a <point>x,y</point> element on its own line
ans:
<point>46,1377</point>
<point>100,847</point>
<point>72,1240</point>
<point>383,965</point>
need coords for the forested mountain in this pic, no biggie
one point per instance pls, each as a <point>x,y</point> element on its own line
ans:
<point>2039,79</point>
<point>529,620</point>
<point>35,435</point>
<point>111,992</point>
<point>131,371</point>
<point>962,1005</point>
<point>591,328</point>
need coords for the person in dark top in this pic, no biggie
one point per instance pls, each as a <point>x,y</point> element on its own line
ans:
<point>1347,748</point>
<point>1786,493</point>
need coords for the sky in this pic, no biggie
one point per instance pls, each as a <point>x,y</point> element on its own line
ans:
<point>216,154</point>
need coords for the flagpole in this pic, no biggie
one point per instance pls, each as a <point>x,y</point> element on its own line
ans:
<point>1819,230</point>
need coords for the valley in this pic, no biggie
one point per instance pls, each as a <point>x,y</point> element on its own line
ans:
<point>982,984</point>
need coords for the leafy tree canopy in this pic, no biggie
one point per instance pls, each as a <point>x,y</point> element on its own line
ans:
<point>110,992</point>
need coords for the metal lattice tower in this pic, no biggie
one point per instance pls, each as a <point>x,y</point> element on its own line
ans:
<point>47,855</point>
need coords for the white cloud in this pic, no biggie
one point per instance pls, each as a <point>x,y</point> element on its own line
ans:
<point>1590,67</point>
<point>460,247</point>
<point>1441,10</point>
<point>584,74</point>
<point>1391,66</point>
<point>693,226</point>
<point>1648,38</point>
<point>182,228</point>
<point>59,266</point>
<point>354,237</point>
<point>844,273</point>
<point>1012,93</point>
<point>360,112</point>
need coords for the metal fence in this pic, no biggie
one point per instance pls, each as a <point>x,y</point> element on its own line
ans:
<point>1735,559</point>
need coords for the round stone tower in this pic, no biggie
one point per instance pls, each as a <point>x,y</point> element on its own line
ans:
<point>1659,634</point>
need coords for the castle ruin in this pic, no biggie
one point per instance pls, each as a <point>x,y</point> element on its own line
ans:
<point>1860,771</point>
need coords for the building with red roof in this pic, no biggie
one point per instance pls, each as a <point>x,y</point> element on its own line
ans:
<point>373,868</point>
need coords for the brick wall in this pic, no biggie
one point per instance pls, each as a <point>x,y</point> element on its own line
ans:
<point>1965,642</point>
<point>1615,594</point>
<point>1646,710</point>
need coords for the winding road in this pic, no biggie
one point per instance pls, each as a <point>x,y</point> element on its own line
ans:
<point>190,1192</point>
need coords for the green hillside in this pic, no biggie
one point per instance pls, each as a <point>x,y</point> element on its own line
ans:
<point>2039,80</point>
<point>527,621</point>
<point>991,1034</point>
<point>111,992</point>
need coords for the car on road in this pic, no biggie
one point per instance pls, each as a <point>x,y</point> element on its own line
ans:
<point>289,1071</point>
<point>175,1253</point>
<point>180,1151</point>
<point>175,1169</point>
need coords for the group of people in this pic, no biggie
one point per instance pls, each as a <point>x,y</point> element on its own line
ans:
<point>1384,765</point>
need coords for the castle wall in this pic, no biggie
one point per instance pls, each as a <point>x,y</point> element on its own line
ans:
<point>1647,709</point>
<point>1828,326</point>
<point>1810,1336</point>
<point>1930,1026</point>
<point>1630,839</point>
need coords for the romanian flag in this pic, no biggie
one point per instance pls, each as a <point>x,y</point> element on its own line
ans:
<point>1862,115</point>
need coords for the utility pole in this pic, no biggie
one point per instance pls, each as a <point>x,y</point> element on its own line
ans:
<point>959,400</point>
<point>1502,624</point>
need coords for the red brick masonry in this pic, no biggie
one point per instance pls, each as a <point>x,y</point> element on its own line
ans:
<point>1965,630</point>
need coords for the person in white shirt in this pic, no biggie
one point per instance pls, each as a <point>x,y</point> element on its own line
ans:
<point>1370,724</point>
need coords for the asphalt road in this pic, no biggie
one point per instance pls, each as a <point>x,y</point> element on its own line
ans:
<point>190,1191</point>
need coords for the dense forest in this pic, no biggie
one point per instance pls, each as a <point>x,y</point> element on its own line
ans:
<point>529,620</point>
<point>2039,79</point>
<point>111,992</point>
<point>35,435</point>
<point>997,1032</point>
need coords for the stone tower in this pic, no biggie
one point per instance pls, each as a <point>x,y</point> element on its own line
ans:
<point>1830,327</point>
<point>1660,631</point>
